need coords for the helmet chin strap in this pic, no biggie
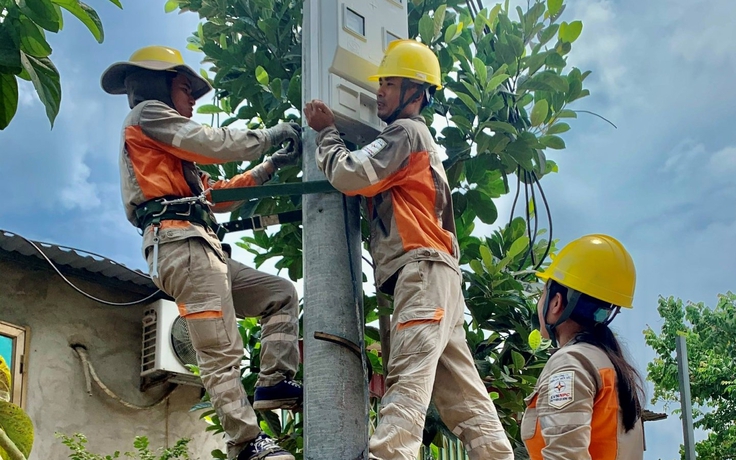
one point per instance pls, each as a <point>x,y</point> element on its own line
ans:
<point>405,85</point>
<point>572,300</point>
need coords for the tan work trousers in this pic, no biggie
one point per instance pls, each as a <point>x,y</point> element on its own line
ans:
<point>210,292</point>
<point>430,359</point>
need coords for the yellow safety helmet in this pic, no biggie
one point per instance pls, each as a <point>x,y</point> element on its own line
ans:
<point>410,59</point>
<point>596,265</point>
<point>152,58</point>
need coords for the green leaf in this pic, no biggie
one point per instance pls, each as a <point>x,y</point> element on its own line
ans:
<point>545,81</point>
<point>45,79</point>
<point>86,14</point>
<point>262,76</point>
<point>567,113</point>
<point>553,142</point>
<point>483,206</point>
<point>558,128</point>
<point>171,5</point>
<point>487,257</point>
<point>547,34</point>
<point>472,90</point>
<point>539,112</point>
<point>8,99</point>
<point>553,6</point>
<point>555,60</point>
<point>494,82</point>
<point>209,109</point>
<point>468,101</point>
<point>439,19</point>
<point>480,71</point>
<point>18,426</point>
<point>501,126</point>
<point>9,48</point>
<point>534,340</point>
<point>32,39</point>
<point>452,32</point>
<point>518,246</point>
<point>117,3</point>
<point>518,359</point>
<point>570,32</point>
<point>426,29</point>
<point>42,12</point>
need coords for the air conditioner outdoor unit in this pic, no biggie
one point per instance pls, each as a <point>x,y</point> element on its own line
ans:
<point>167,348</point>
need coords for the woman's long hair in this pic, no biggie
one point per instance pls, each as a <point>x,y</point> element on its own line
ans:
<point>629,382</point>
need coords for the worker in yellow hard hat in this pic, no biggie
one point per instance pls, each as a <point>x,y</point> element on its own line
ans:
<point>587,403</point>
<point>166,196</point>
<point>416,253</point>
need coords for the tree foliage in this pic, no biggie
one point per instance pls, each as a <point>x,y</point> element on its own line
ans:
<point>507,93</point>
<point>711,348</point>
<point>24,51</point>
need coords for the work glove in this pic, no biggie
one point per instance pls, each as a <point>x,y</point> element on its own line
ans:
<point>285,131</point>
<point>288,155</point>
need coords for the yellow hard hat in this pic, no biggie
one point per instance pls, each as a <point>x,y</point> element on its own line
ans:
<point>152,58</point>
<point>596,265</point>
<point>410,59</point>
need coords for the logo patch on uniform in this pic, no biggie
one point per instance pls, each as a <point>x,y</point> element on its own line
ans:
<point>375,147</point>
<point>560,389</point>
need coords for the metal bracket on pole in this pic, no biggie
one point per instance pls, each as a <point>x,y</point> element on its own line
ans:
<point>267,191</point>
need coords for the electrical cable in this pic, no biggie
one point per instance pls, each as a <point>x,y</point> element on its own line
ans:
<point>89,296</point>
<point>91,375</point>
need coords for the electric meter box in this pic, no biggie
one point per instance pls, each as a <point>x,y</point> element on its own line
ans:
<point>344,44</point>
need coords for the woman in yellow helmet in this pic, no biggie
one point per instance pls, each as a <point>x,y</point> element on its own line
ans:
<point>587,401</point>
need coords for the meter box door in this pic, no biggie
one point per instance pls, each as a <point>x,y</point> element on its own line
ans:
<point>344,44</point>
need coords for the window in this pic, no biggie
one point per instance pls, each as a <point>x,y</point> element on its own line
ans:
<point>354,22</point>
<point>12,348</point>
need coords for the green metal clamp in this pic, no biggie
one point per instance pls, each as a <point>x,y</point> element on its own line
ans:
<point>266,191</point>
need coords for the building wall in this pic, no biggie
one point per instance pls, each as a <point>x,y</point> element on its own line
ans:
<point>57,398</point>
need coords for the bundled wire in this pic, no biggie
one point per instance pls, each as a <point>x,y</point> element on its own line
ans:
<point>531,180</point>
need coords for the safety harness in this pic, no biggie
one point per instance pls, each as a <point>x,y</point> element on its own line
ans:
<point>196,209</point>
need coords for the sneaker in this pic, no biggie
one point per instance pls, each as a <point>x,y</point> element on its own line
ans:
<point>263,448</point>
<point>287,394</point>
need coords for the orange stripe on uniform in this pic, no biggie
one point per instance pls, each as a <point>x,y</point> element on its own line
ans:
<point>439,313</point>
<point>157,170</point>
<point>415,204</point>
<point>604,429</point>
<point>184,313</point>
<point>536,443</point>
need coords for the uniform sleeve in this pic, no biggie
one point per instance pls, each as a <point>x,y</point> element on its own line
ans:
<point>201,144</point>
<point>565,407</point>
<point>369,171</point>
<point>254,177</point>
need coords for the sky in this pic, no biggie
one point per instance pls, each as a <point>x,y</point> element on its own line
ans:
<point>661,182</point>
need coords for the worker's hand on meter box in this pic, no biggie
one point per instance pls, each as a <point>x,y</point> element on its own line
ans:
<point>318,115</point>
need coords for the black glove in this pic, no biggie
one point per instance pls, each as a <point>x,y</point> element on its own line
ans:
<point>288,155</point>
<point>285,131</point>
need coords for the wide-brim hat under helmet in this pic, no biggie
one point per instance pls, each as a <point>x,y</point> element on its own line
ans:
<point>152,58</point>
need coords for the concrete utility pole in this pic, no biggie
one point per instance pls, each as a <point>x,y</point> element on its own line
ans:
<point>336,399</point>
<point>685,398</point>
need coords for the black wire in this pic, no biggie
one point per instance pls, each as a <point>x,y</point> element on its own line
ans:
<point>89,296</point>
<point>516,197</point>
<point>353,277</point>
<point>549,220</point>
<point>536,216</point>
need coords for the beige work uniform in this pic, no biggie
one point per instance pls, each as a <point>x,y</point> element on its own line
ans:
<point>574,413</point>
<point>415,250</point>
<point>157,158</point>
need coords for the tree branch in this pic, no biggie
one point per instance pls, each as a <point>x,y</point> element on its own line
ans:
<point>10,447</point>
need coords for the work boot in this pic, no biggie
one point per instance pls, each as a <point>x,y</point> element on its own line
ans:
<point>287,394</point>
<point>263,448</point>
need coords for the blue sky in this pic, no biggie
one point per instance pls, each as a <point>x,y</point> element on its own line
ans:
<point>662,182</point>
